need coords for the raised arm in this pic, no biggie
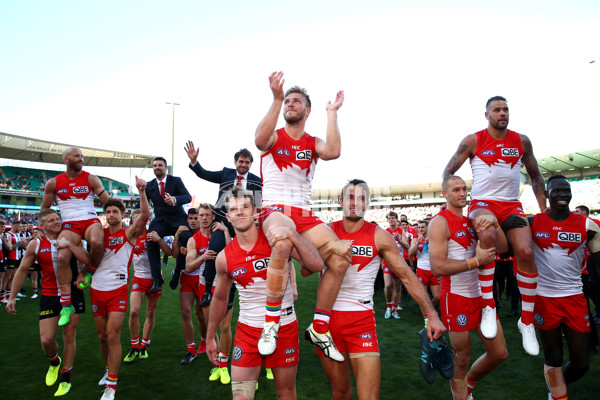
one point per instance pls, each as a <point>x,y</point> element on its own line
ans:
<point>211,176</point>
<point>98,188</point>
<point>331,148</point>
<point>49,194</point>
<point>386,245</point>
<point>218,307</point>
<point>265,136</point>
<point>533,170</point>
<point>138,227</point>
<point>466,149</point>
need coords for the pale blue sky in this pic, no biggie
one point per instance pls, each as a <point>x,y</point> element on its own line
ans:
<point>416,76</point>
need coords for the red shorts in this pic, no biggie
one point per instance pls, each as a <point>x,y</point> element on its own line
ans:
<point>427,277</point>
<point>245,347</point>
<point>388,270</point>
<point>303,219</point>
<point>460,313</point>
<point>501,209</point>
<point>551,312</point>
<point>104,302</point>
<point>143,285</point>
<point>190,283</point>
<point>79,227</point>
<point>353,331</point>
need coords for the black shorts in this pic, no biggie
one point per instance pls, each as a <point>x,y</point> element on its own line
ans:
<point>14,263</point>
<point>50,305</point>
<point>2,266</point>
<point>35,267</point>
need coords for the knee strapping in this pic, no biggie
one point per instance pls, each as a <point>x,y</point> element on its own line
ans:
<point>245,388</point>
<point>277,276</point>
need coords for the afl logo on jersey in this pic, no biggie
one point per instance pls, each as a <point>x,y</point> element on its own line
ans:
<point>238,272</point>
<point>62,191</point>
<point>542,235</point>
<point>275,208</point>
<point>482,204</point>
<point>487,153</point>
<point>289,351</point>
<point>261,264</point>
<point>81,189</point>
<point>44,250</point>
<point>283,152</point>
<point>461,320</point>
<point>460,234</point>
<point>366,336</point>
<point>303,155</point>
<point>510,152</point>
<point>569,237</point>
<point>116,241</point>
<point>68,226</point>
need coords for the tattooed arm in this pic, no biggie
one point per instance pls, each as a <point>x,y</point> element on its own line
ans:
<point>466,148</point>
<point>531,165</point>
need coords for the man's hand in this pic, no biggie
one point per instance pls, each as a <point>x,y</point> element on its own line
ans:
<point>181,229</point>
<point>514,221</point>
<point>342,248</point>
<point>10,307</point>
<point>192,152</point>
<point>276,82</point>
<point>209,255</point>
<point>484,221</point>
<point>153,237</point>
<point>170,200</point>
<point>211,352</point>
<point>140,184</point>
<point>62,243</point>
<point>277,233</point>
<point>339,100</point>
<point>485,256</point>
<point>183,250</point>
<point>435,328</point>
<point>80,280</point>
<point>219,226</point>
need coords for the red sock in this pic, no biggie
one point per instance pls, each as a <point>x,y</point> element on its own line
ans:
<point>135,342</point>
<point>321,321</point>
<point>527,284</point>
<point>145,342</point>
<point>486,281</point>
<point>470,385</point>
<point>111,381</point>
<point>192,347</point>
<point>65,299</point>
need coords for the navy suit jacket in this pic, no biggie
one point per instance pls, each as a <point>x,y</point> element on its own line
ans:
<point>226,179</point>
<point>175,215</point>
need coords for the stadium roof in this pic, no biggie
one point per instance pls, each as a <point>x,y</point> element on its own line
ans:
<point>28,149</point>
<point>572,161</point>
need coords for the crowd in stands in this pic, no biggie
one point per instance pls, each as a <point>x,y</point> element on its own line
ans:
<point>9,218</point>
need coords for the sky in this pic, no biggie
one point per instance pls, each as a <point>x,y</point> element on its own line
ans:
<point>416,76</point>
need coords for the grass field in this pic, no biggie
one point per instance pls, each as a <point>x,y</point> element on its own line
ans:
<point>162,377</point>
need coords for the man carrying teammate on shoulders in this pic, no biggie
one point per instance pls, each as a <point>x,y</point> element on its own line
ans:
<point>245,260</point>
<point>496,156</point>
<point>288,161</point>
<point>353,319</point>
<point>44,250</point>
<point>454,254</point>
<point>74,191</point>
<point>109,286</point>
<point>561,313</point>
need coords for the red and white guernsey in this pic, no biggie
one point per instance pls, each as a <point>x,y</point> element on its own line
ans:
<point>496,167</point>
<point>140,261</point>
<point>287,171</point>
<point>112,273</point>
<point>423,255</point>
<point>249,270</point>
<point>202,243</point>
<point>559,249</point>
<point>75,197</point>
<point>461,245</point>
<point>47,257</point>
<point>356,292</point>
<point>14,239</point>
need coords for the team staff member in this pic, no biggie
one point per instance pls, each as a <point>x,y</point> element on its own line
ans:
<point>559,244</point>
<point>455,255</point>
<point>352,318</point>
<point>45,250</point>
<point>420,247</point>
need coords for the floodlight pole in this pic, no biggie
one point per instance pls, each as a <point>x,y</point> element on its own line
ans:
<point>170,168</point>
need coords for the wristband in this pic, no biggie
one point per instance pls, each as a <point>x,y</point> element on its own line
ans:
<point>472,262</point>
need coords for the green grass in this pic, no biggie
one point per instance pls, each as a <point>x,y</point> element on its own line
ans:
<point>162,377</point>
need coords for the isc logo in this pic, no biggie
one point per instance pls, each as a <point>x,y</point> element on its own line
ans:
<point>81,189</point>
<point>460,234</point>
<point>510,152</point>
<point>116,241</point>
<point>569,237</point>
<point>366,251</point>
<point>238,272</point>
<point>542,235</point>
<point>259,265</point>
<point>303,155</point>
<point>283,152</point>
<point>487,153</point>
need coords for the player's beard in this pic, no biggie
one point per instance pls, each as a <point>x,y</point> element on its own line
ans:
<point>496,124</point>
<point>76,167</point>
<point>293,119</point>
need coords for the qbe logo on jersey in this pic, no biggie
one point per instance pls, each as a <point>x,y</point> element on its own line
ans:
<point>261,264</point>
<point>304,155</point>
<point>81,189</point>
<point>116,241</point>
<point>510,152</point>
<point>365,251</point>
<point>569,237</point>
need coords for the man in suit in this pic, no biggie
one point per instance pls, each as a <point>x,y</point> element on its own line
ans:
<point>227,178</point>
<point>168,195</point>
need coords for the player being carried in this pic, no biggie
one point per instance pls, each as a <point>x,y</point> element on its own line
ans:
<point>288,160</point>
<point>74,192</point>
<point>496,156</point>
